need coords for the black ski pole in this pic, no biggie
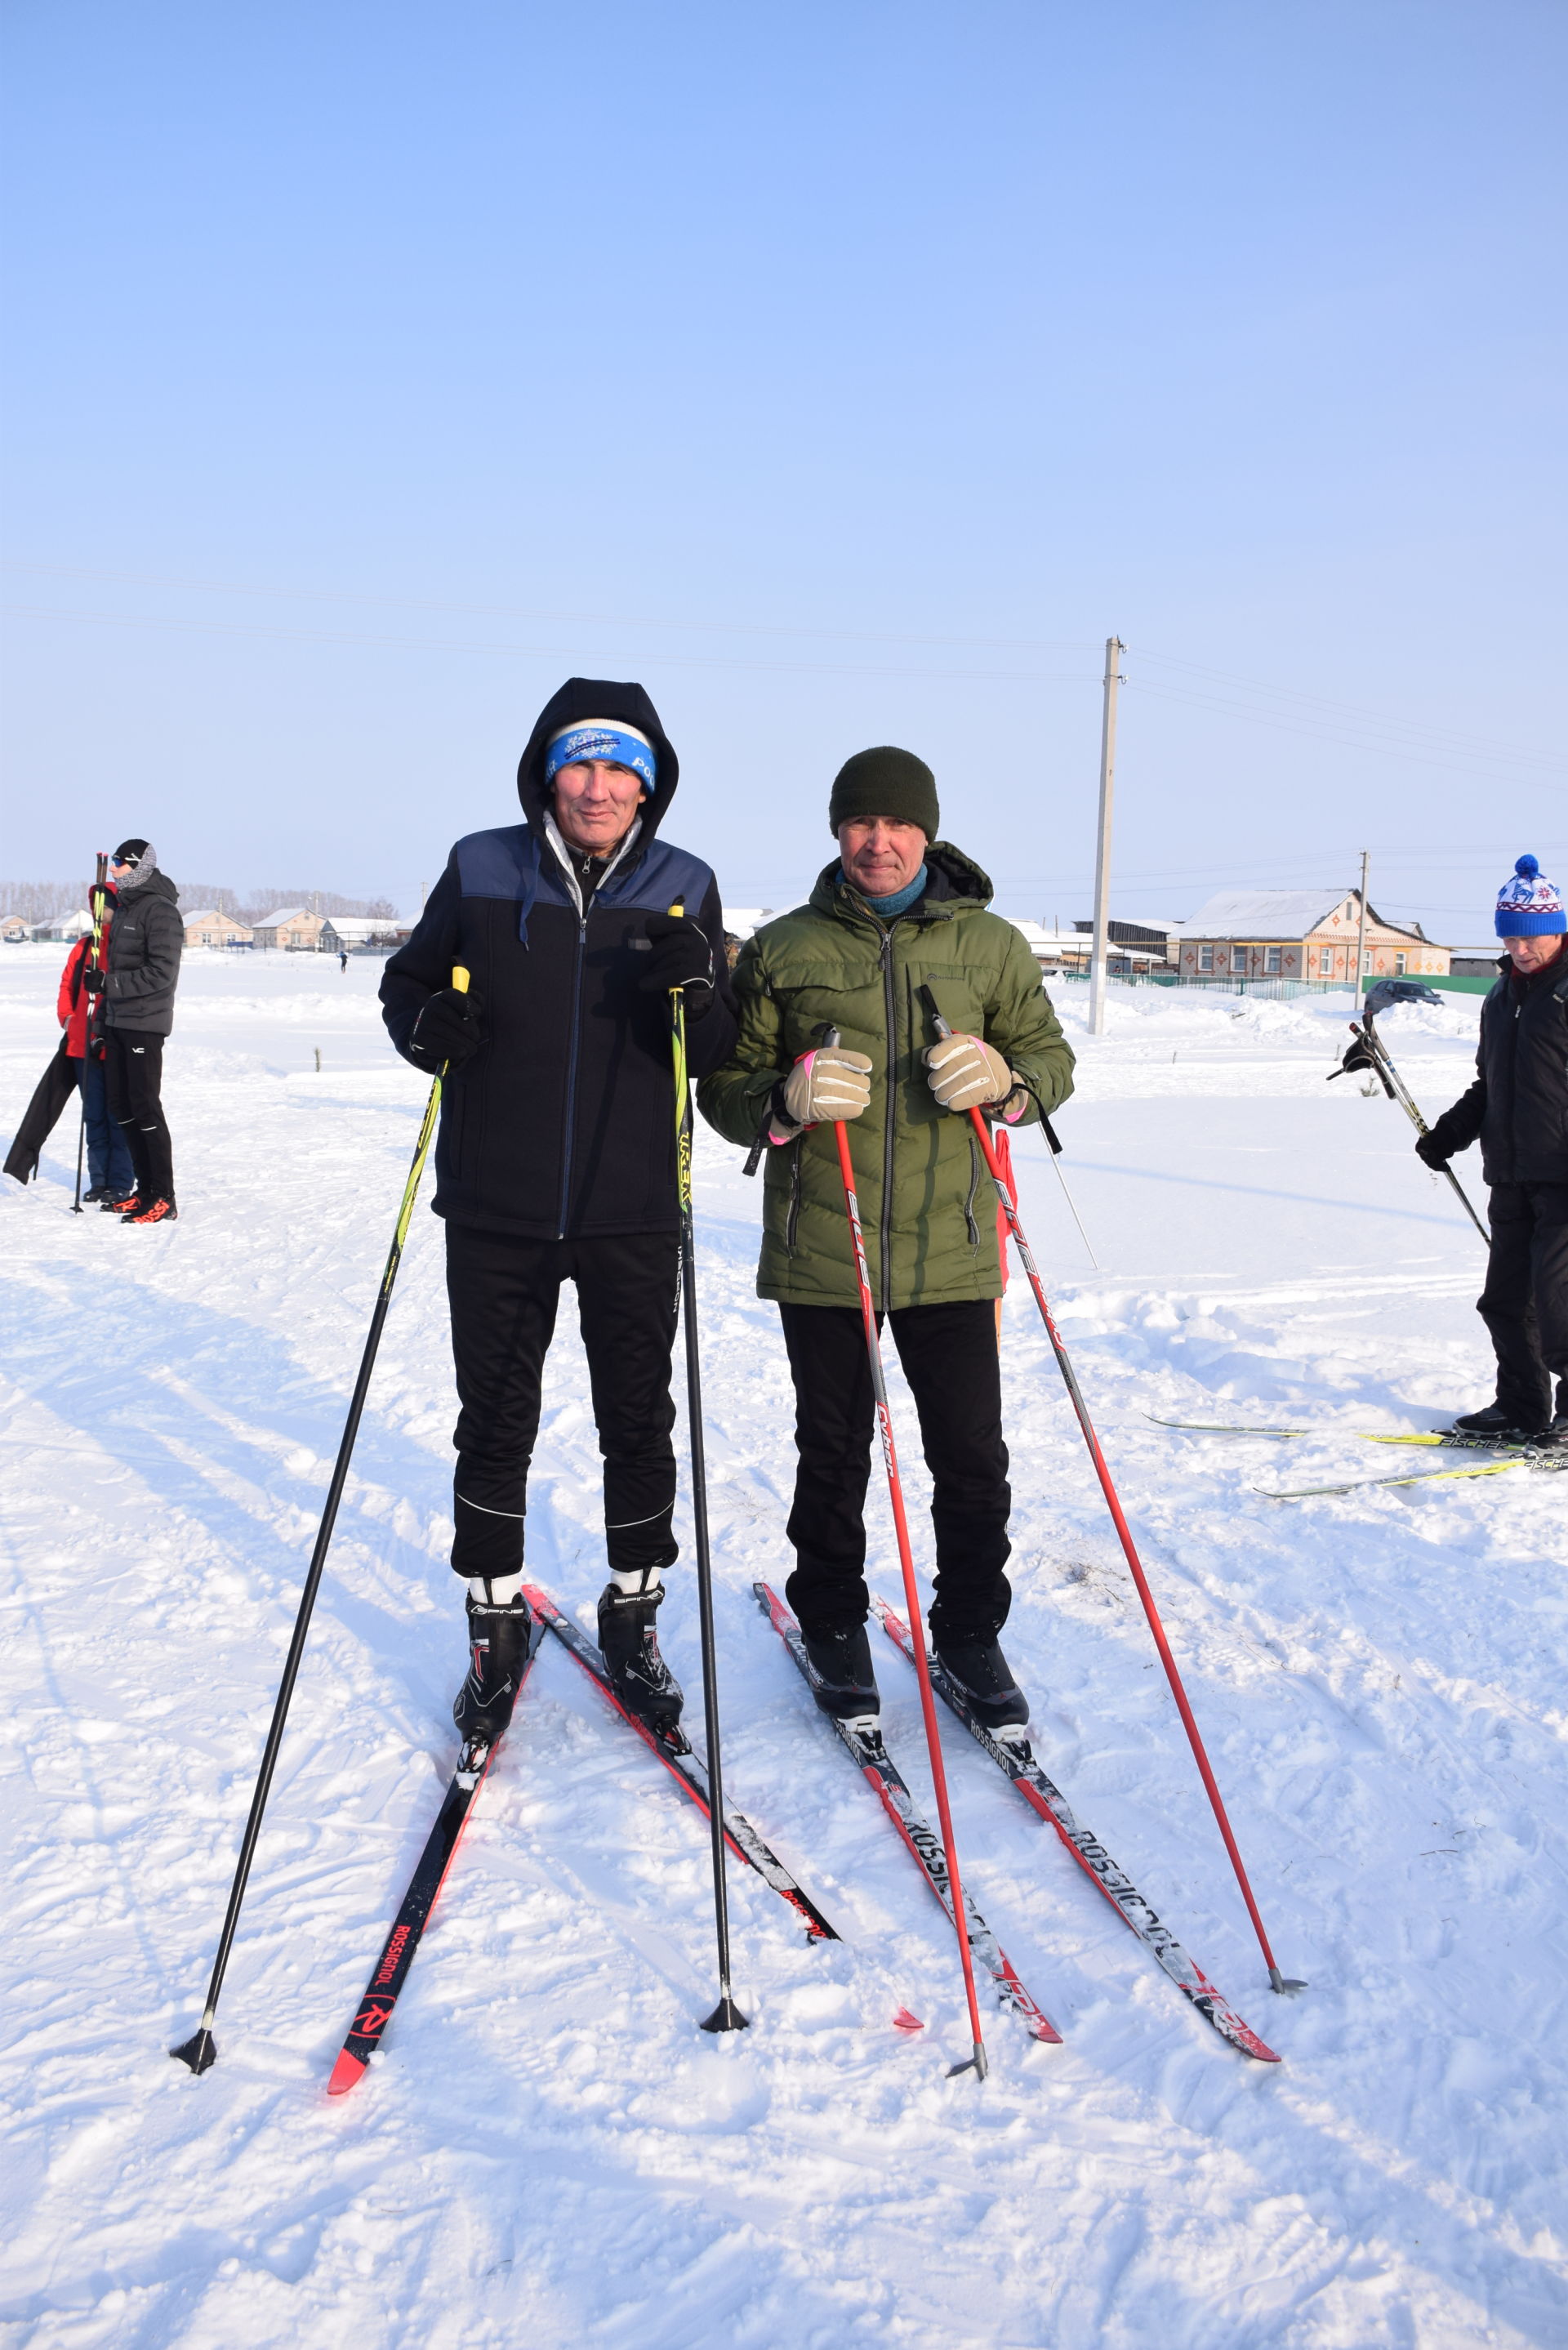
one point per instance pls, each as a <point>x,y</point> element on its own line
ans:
<point>1394,1086</point>
<point>726,2016</point>
<point>96,959</point>
<point>201,2050</point>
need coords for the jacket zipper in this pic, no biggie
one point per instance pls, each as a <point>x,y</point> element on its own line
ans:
<point>572,1072</point>
<point>887,1127</point>
<point>793,1219</point>
<point>974,1188</point>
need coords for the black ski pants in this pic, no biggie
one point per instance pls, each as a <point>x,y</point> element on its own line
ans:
<point>133,1065</point>
<point>504,1294</point>
<point>1525,1301</point>
<point>951,1361</point>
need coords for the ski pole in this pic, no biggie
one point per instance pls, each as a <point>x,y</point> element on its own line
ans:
<point>1053,1138</point>
<point>1124,1530</point>
<point>201,2050</point>
<point>1394,1086</point>
<point>96,959</point>
<point>726,2016</point>
<point>911,1594</point>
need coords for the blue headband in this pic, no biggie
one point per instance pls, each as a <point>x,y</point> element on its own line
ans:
<point>602,738</point>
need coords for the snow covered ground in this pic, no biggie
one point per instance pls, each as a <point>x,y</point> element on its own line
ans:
<point>548,2150</point>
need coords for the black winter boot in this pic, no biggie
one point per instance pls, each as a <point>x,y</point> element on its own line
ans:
<point>628,1642</point>
<point>983,1677</point>
<point>500,1642</point>
<point>1494,1421</point>
<point>842,1679</point>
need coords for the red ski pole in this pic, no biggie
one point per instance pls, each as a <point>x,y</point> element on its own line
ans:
<point>1070,1379</point>
<point>911,1594</point>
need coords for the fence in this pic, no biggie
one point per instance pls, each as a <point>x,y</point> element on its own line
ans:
<point>1273,990</point>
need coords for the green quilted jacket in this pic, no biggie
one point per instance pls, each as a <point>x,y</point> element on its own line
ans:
<point>927,1207</point>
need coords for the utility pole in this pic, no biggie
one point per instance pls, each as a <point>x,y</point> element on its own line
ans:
<point>1114,647</point>
<point>1360,938</point>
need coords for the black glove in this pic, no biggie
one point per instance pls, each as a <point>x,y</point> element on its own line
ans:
<point>680,956</point>
<point>449,1030</point>
<point>92,980</point>
<point>1429,1150</point>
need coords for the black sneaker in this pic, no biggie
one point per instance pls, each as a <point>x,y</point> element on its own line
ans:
<point>982,1675</point>
<point>500,1641</point>
<point>843,1680</point>
<point>1494,1421</point>
<point>629,1643</point>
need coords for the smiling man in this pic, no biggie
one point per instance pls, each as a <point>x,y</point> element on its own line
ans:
<point>896,910</point>
<point>1518,1110</point>
<point>555,1160</point>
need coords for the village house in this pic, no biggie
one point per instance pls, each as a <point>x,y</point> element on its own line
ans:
<point>297,931</point>
<point>14,929</point>
<point>213,927</point>
<point>1303,935</point>
<point>63,930</point>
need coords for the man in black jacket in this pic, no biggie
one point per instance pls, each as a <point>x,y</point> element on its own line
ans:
<point>144,950</point>
<point>555,1159</point>
<point>1518,1107</point>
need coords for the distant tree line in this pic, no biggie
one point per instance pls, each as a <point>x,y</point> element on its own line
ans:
<point>40,902</point>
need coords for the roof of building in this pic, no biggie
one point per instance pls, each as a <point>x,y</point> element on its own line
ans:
<point>282,914</point>
<point>211,914</point>
<point>1276,914</point>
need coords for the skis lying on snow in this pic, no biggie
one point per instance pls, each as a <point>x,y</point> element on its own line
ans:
<point>1014,1755</point>
<point>1448,1440</point>
<point>686,1766</point>
<point>1419,1477</point>
<point>873,1760</point>
<point>408,1928</point>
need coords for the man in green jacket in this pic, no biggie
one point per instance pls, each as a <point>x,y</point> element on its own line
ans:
<point>899,909</point>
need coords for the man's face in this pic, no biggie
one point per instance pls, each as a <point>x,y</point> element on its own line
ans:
<point>595,802</point>
<point>881,854</point>
<point>117,871</point>
<point>1534,954</point>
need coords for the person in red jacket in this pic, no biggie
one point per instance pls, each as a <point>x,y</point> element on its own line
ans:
<point>111,1175</point>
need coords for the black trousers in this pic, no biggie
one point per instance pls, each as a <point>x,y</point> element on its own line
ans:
<point>133,1066</point>
<point>505,1294</point>
<point>1525,1301</point>
<point>949,1358</point>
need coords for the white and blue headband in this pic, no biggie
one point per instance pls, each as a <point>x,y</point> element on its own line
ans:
<point>602,738</point>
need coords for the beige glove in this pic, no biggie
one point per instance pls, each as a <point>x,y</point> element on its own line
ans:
<point>828,1084</point>
<point>965,1074</point>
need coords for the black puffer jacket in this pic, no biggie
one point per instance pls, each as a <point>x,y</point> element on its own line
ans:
<point>562,1124</point>
<point>1518,1105</point>
<point>144,950</point>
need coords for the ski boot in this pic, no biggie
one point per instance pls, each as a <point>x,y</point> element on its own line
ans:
<point>1493,1420</point>
<point>842,1679</point>
<point>501,1636</point>
<point>156,1212</point>
<point>130,1205</point>
<point>628,1642</point>
<point>982,1676</point>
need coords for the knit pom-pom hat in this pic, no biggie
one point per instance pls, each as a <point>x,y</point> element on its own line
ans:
<point>1528,905</point>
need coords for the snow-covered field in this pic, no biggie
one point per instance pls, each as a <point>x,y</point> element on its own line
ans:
<point>548,2150</point>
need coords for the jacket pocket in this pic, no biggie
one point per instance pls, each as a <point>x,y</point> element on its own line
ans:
<point>793,1217</point>
<point>974,1188</point>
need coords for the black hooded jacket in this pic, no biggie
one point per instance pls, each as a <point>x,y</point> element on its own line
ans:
<point>144,950</point>
<point>562,1124</point>
<point>1518,1105</point>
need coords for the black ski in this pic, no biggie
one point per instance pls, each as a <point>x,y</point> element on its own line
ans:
<point>397,1957</point>
<point>686,1766</point>
<point>872,1759</point>
<point>1014,1755</point>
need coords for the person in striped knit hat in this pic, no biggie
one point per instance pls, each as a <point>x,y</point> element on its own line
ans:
<point>1518,1110</point>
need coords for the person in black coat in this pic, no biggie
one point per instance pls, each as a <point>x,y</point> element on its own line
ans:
<point>1518,1107</point>
<point>144,950</point>
<point>555,1158</point>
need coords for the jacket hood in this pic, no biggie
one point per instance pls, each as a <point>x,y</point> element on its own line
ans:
<point>952,875</point>
<point>156,885</point>
<point>597,697</point>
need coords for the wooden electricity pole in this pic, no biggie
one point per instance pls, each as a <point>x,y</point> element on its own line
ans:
<point>1360,938</point>
<point>1113,648</point>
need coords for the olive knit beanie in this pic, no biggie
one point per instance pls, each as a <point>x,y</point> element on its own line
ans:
<point>884,782</point>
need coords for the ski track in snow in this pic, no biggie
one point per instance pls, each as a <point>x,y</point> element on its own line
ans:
<point>547,2149</point>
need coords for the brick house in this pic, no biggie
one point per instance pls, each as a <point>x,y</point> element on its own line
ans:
<point>213,927</point>
<point>1305,934</point>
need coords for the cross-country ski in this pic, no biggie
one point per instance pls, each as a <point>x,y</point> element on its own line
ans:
<point>1014,1757</point>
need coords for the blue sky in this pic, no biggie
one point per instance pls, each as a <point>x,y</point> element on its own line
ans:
<point>846,373</point>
